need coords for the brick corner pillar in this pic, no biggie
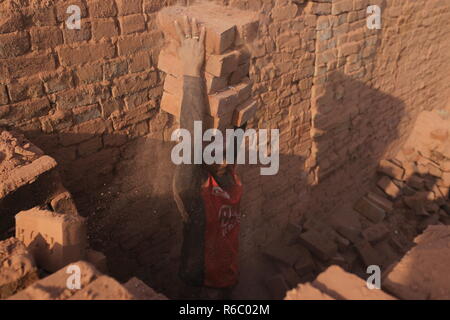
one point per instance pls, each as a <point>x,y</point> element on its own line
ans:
<point>54,240</point>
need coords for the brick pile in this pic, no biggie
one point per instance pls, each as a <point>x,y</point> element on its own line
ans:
<point>410,192</point>
<point>420,275</point>
<point>227,63</point>
<point>44,239</point>
<point>93,286</point>
<point>417,179</point>
<point>28,178</point>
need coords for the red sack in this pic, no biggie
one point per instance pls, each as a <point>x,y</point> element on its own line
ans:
<point>222,224</point>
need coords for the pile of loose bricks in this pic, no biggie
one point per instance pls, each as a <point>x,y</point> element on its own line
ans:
<point>420,275</point>
<point>227,64</point>
<point>49,232</point>
<point>410,196</point>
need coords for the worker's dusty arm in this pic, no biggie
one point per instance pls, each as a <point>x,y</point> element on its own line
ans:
<point>188,177</point>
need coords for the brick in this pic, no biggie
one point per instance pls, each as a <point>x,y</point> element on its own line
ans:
<point>3,95</point>
<point>14,44</point>
<point>11,21</point>
<point>348,49</point>
<point>319,245</point>
<point>376,233</point>
<point>141,291</point>
<point>152,6</point>
<point>85,113</point>
<point>319,9</point>
<point>370,210</point>
<point>132,24</point>
<point>307,292</point>
<point>26,89</point>
<point>245,112</point>
<point>115,69</point>
<point>215,84</point>
<point>222,103</point>
<point>64,203</point>
<point>137,99</point>
<point>90,73</point>
<point>340,7</point>
<point>220,35</point>
<point>131,44</point>
<point>104,28</point>
<point>66,100</point>
<point>243,90</point>
<point>26,174</point>
<point>133,116</point>
<point>380,201</point>
<point>27,110</point>
<point>169,63</point>
<point>391,169</point>
<point>368,254</point>
<point>54,240</point>
<point>140,62</point>
<point>127,7</point>
<point>287,12</point>
<point>102,8</point>
<point>18,267</point>
<point>388,187</point>
<point>54,82</point>
<point>42,16</point>
<point>54,287</point>
<point>45,38</point>
<point>110,106</point>
<point>61,10</point>
<point>241,73</point>
<point>346,286</point>
<point>171,103</point>
<point>173,85</point>
<point>221,65</point>
<point>86,53</point>
<point>75,35</point>
<point>83,131</point>
<point>133,83</point>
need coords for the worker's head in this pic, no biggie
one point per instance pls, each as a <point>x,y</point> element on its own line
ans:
<point>220,167</point>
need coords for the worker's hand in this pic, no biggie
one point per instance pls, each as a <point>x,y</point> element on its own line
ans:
<point>192,46</point>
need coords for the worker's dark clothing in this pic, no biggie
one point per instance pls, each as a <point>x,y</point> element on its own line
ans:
<point>210,233</point>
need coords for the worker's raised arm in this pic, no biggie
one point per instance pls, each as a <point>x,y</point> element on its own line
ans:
<point>187,178</point>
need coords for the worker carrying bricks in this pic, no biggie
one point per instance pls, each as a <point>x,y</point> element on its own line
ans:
<point>208,196</point>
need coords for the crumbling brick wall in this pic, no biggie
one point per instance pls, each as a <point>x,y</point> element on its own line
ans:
<point>341,95</point>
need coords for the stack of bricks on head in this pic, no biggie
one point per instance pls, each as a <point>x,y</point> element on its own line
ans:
<point>227,62</point>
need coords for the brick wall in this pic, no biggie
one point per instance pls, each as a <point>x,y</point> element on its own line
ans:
<point>342,96</point>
